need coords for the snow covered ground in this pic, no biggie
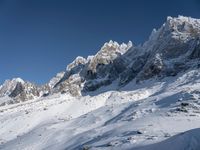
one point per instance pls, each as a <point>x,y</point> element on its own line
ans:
<point>153,115</point>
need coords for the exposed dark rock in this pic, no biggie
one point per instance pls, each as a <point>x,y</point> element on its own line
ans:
<point>152,68</point>
<point>93,85</point>
<point>196,52</point>
<point>18,90</point>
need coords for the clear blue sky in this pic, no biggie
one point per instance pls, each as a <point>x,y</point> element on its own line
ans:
<point>38,38</point>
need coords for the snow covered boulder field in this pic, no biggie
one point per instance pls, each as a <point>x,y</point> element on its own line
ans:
<point>125,97</point>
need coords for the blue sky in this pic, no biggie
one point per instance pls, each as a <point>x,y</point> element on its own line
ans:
<point>38,38</point>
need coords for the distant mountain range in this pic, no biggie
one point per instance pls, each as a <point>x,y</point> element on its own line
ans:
<point>173,48</point>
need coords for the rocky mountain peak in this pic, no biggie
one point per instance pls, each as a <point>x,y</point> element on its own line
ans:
<point>56,79</point>
<point>108,53</point>
<point>18,80</point>
<point>19,90</point>
<point>78,61</point>
<point>180,28</point>
<point>8,86</point>
<point>114,46</point>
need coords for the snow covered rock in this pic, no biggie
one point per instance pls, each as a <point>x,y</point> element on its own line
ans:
<point>9,85</point>
<point>78,61</point>
<point>95,71</point>
<point>56,79</point>
<point>19,90</point>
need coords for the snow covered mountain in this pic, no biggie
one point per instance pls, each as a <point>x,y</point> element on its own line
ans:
<point>18,90</point>
<point>170,50</point>
<point>142,97</point>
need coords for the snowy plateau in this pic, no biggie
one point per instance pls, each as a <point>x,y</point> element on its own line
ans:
<point>125,97</point>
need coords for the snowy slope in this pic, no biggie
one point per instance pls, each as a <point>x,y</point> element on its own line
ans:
<point>151,115</point>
